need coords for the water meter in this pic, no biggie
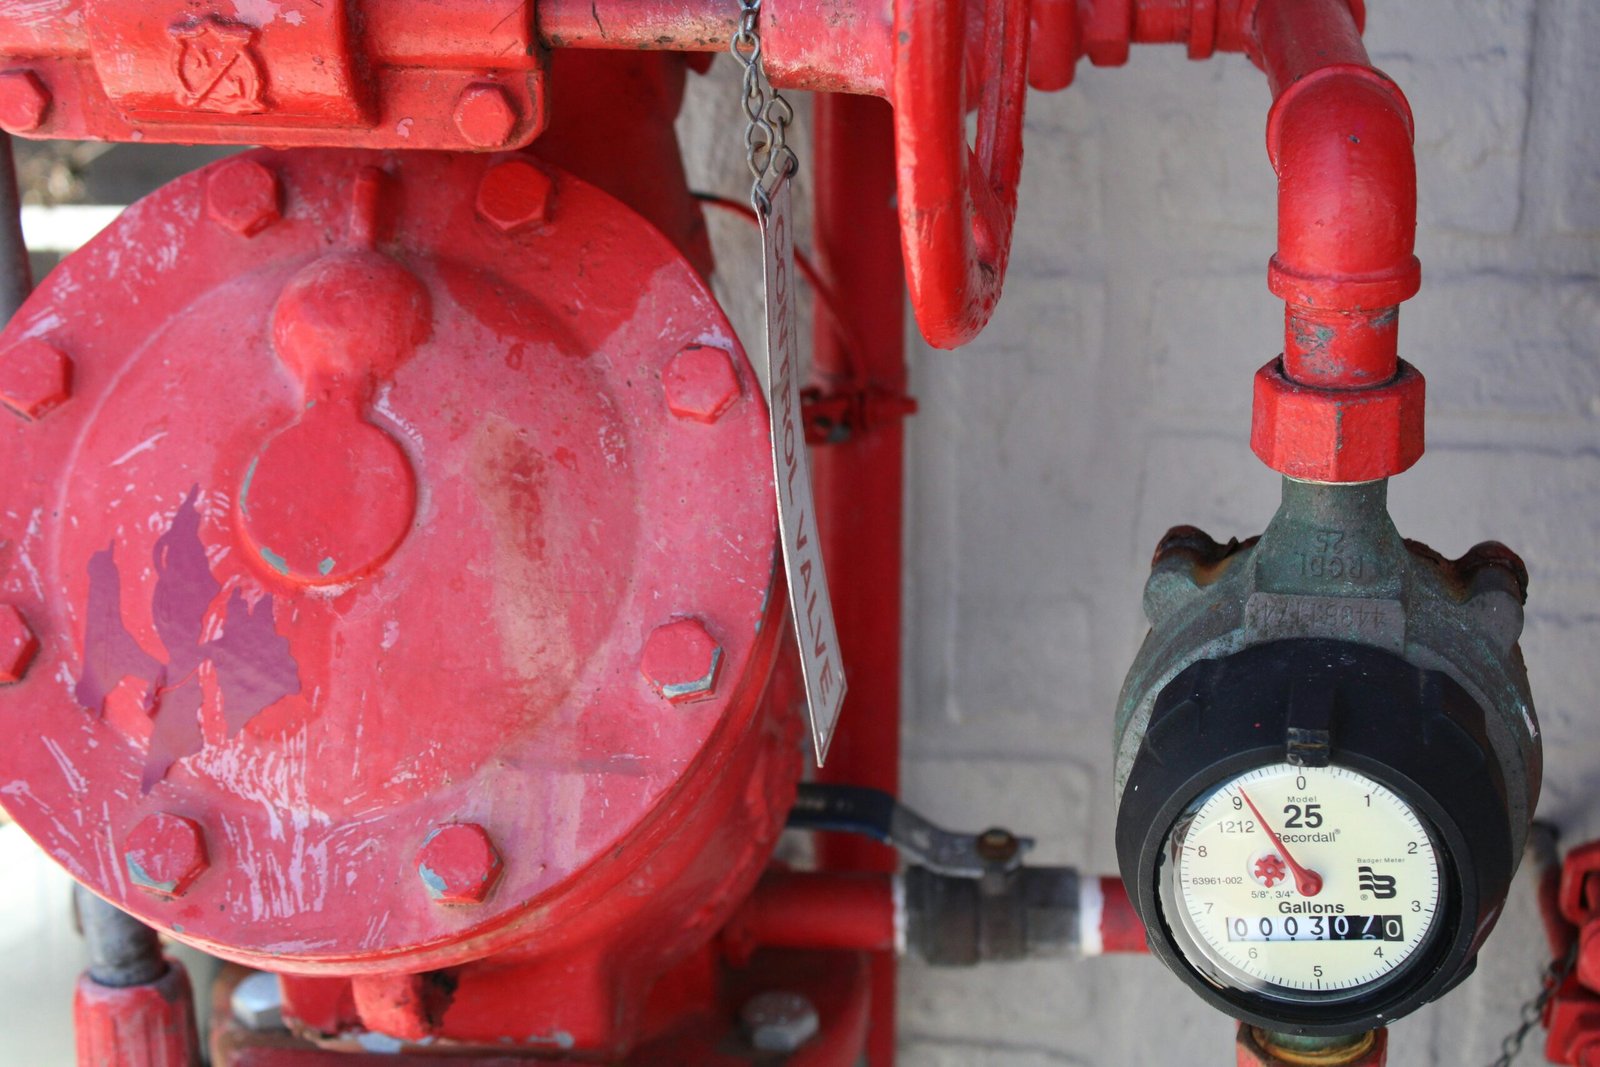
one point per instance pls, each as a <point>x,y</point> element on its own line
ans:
<point>1327,762</point>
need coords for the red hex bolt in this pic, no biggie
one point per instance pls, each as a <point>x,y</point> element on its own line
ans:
<point>700,383</point>
<point>242,195</point>
<point>24,101</point>
<point>681,661</point>
<point>514,195</point>
<point>35,379</point>
<point>458,864</point>
<point>485,115</point>
<point>18,645</point>
<point>165,854</point>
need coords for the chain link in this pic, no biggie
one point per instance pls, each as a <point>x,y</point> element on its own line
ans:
<point>1533,1010</point>
<point>766,152</point>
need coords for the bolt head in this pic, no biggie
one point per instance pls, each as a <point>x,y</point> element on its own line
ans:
<point>701,383</point>
<point>242,195</point>
<point>257,1002</point>
<point>165,854</point>
<point>514,195</point>
<point>35,379</point>
<point>485,115</point>
<point>18,645</point>
<point>24,101</point>
<point>681,661</point>
<point>458,864</point>
<point>779,1022</point>
<point>997,845</point>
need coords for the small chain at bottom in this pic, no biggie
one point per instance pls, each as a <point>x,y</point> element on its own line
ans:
<point>1533,1010</point>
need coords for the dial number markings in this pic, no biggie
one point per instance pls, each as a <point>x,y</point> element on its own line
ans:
<point>1303,883</point>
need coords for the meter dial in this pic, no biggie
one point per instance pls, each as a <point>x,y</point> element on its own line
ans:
<point>1310,884</point>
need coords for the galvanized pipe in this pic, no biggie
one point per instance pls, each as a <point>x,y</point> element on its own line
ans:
<point>123,951</point>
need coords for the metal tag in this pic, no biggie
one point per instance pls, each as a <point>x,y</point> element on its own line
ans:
<point>802,549</point>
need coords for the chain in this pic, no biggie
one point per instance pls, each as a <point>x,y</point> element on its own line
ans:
<point>1533,1010</point>
<point>769,158</point>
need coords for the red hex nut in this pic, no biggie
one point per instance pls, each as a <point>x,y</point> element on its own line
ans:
<point>35,379</point>
<point>513,195</point>
<point>18,645</point>
<point>681,661</point>
<point>242,195</point>
<point>701,383</point>
<point>458,864</point>
<point>1337,435</point>
<point>24,101</point>
<point>485,115</point>
<point>165,854</point>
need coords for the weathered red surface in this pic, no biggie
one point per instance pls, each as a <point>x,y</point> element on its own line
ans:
<point>18,645</point>
<point>860,481</point>
<point>1338,435</point>
<point>385,73</point>
<point>958,202</point>
<point>353,535</point>
<point>148,1025</point>
<point>1569,903</point>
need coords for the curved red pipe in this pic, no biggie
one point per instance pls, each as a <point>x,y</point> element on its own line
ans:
<point>1340,138</point>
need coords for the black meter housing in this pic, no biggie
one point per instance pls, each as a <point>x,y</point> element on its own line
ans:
<point>1317,702</point>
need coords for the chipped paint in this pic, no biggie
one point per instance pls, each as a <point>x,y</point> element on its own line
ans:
<point>251,664</point>
<point>698,685</point>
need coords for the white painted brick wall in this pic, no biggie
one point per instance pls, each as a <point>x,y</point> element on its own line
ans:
<point>1109,400</point>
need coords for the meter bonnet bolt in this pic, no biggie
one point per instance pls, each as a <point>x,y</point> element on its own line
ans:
<point>1327,760</point>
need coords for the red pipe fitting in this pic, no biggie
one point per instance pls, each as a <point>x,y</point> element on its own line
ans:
<point>150,1025</point>
<point>1319,434</point>
<point>1340,407</point>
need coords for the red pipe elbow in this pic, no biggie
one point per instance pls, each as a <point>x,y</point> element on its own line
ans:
<point>1340,138</point>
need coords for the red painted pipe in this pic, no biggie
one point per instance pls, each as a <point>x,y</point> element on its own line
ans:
<point>833,910</point>
<point>1108,922</point>
<point>1340,138</point>
<point>860,481</point>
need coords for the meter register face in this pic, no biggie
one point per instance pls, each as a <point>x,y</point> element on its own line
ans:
<point>1302,883</point>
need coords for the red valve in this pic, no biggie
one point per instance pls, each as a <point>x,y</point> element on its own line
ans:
<point>958,202</point>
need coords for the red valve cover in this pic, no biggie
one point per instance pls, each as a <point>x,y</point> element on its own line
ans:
<point>390,545</point>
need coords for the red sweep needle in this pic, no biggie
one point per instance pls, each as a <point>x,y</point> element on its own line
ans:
<point>1307,881</point>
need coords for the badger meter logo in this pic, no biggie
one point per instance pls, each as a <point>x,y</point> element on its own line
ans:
<point>1381,886</point>
<point>217,66</point>
<point>243,661</point>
